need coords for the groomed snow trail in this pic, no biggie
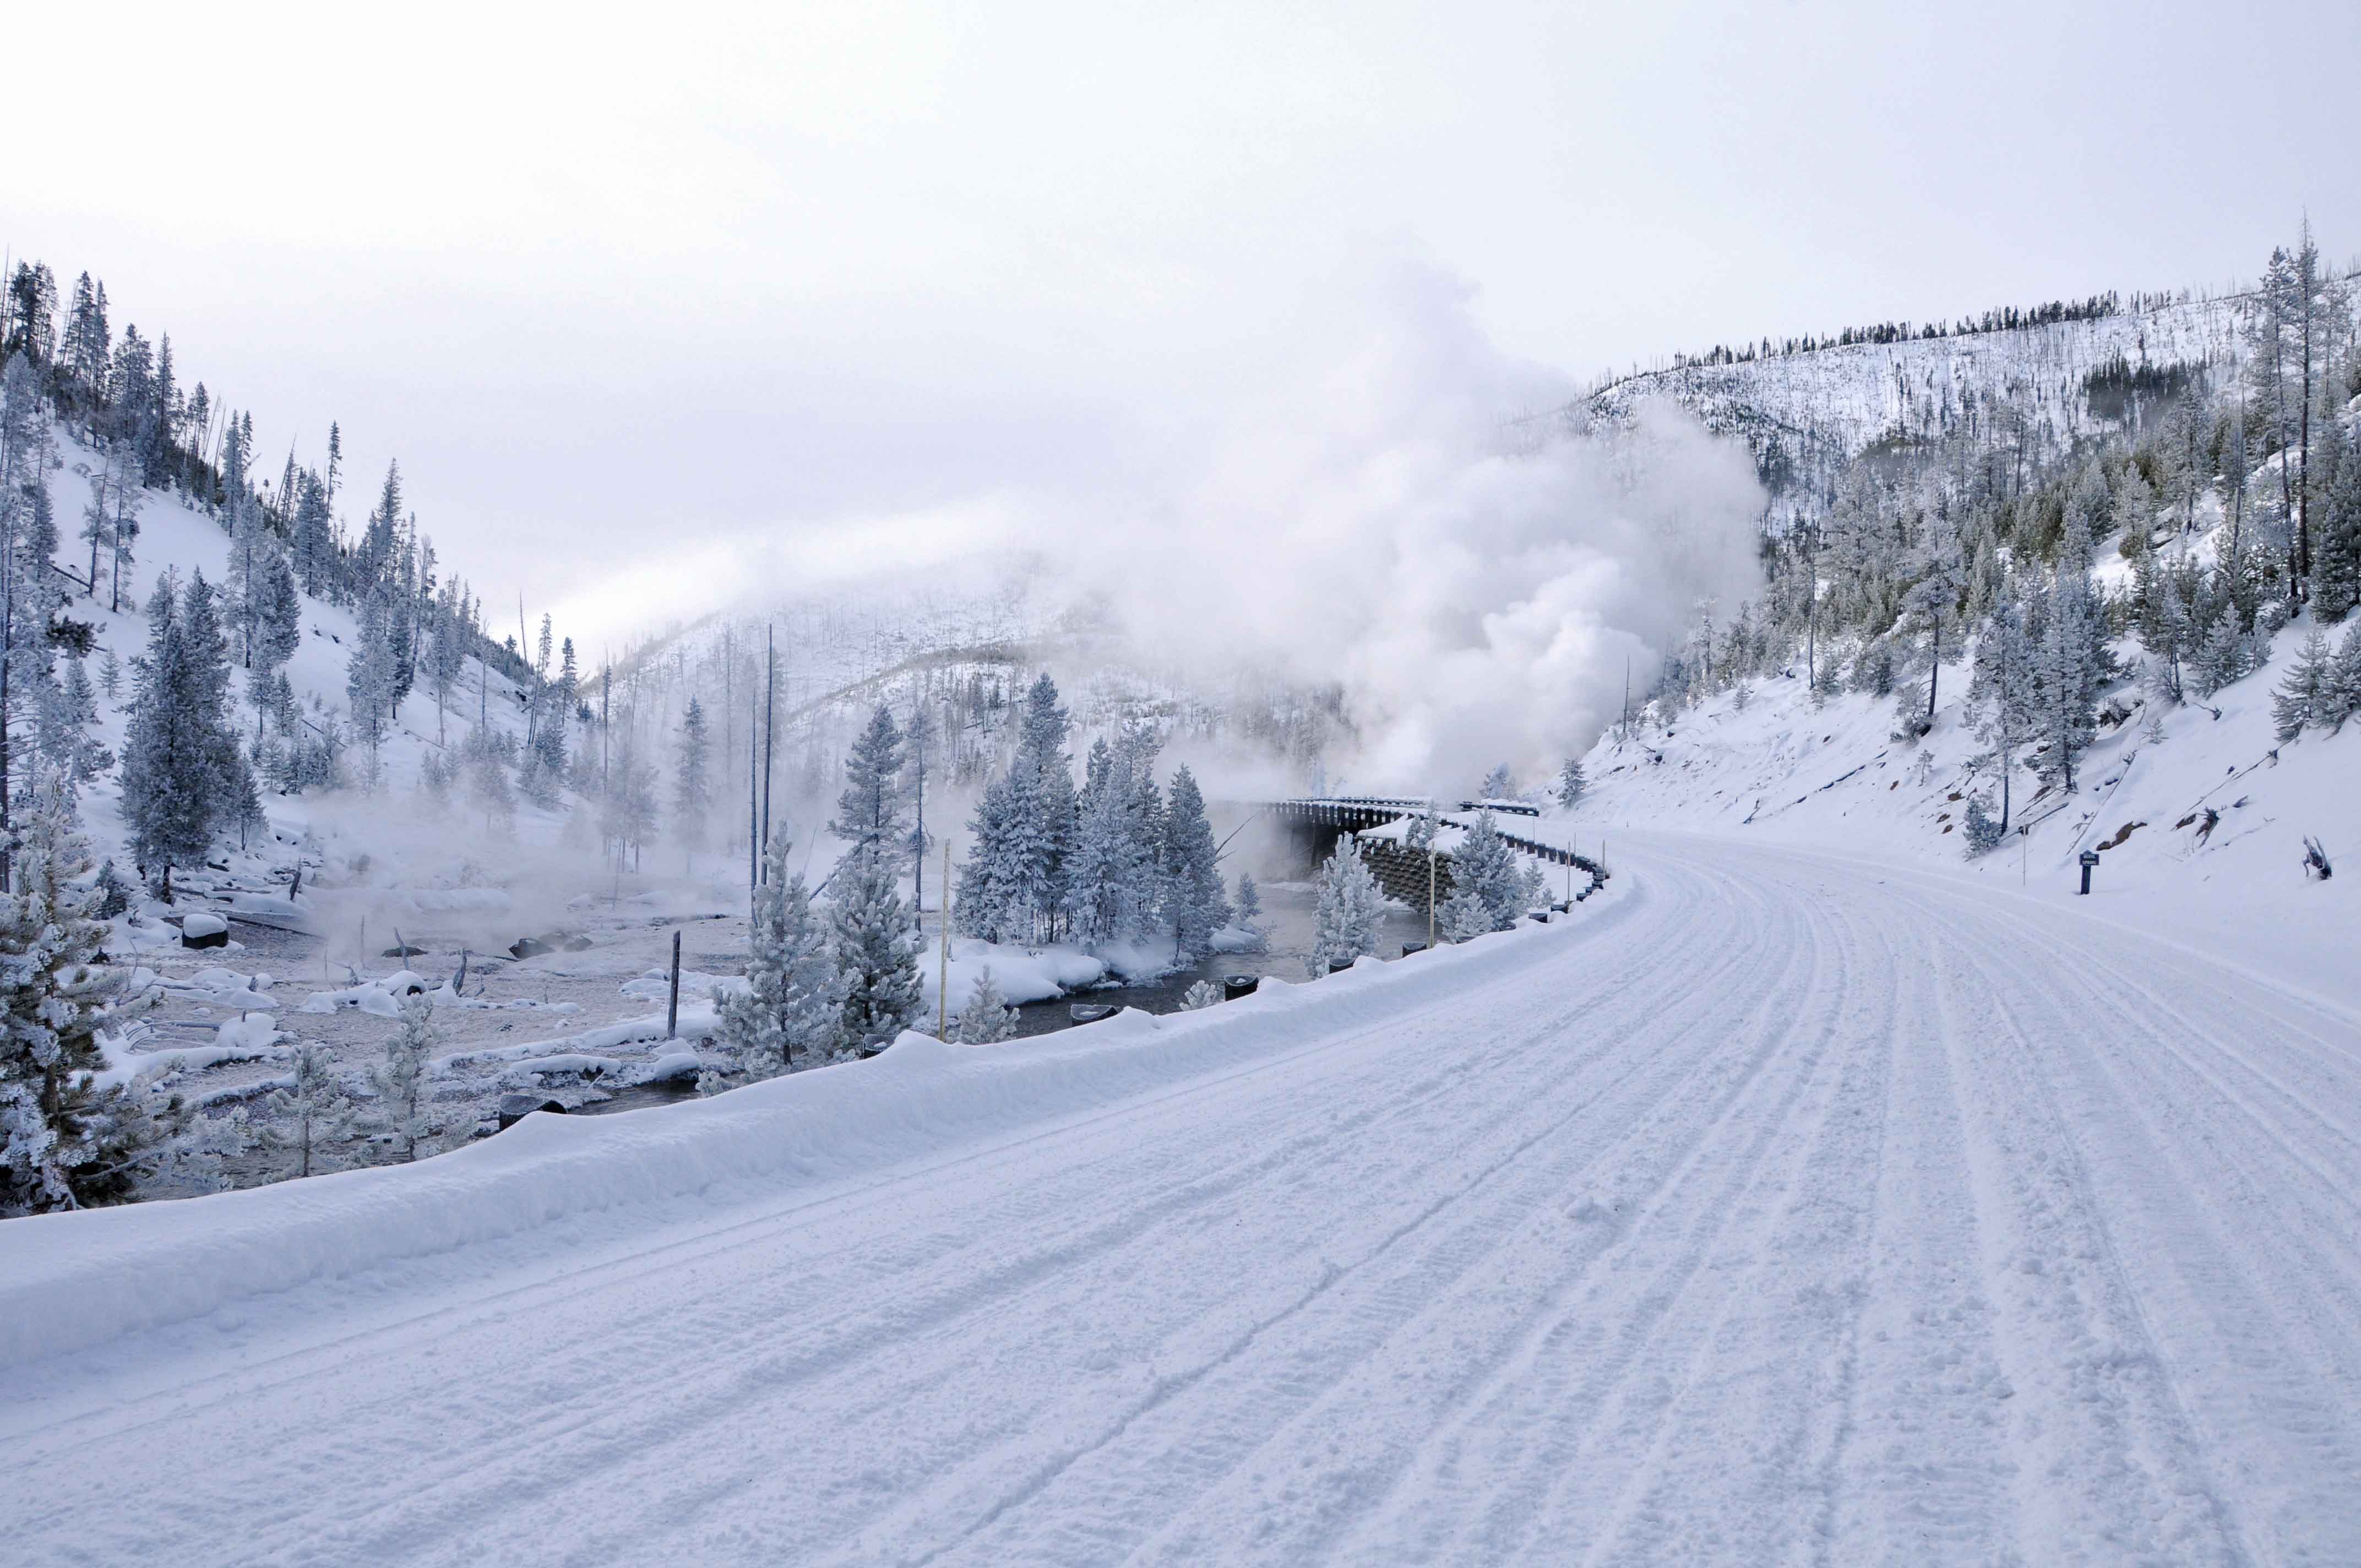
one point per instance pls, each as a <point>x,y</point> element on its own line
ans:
<point>1799,1212</point>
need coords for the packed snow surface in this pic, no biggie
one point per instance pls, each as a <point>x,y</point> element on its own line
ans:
<point>1778,1207</point>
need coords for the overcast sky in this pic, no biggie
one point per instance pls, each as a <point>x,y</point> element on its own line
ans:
<point>626,294</point>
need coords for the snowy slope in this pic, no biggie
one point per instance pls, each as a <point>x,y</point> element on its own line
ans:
<point>1782,770</point>
<point>1780,1211</point>
<point>1806,415</point>
<point>177,537</point>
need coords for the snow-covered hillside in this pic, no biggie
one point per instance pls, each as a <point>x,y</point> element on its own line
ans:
<point>2199,817</point>
<point>1807,414</point>
<point>175,537</point>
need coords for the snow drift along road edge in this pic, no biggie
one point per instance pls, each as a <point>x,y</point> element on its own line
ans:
<point>69,1282</point>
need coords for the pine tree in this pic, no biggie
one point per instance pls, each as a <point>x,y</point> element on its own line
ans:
<point>1485,868</point>
<point>311,1110</point>
<point>2071,662</point>
<point>488,778</point>
<point>1249,901</point>
<point>870,814</point>
<point>2337,560</point>
<point>874,942</point>
<point>793,1004</point>
<point>314,537</point>
<point>2343,688</point>
<point>1570,783</point>
<point>987,1019</point>
<point>2003,691</point>
<point>447,656</point>
<point>987,904</point>
<point>400,1079</point>
<point>1195,903</point>
<point>2308,693</point>
<point>185,777</point>
<point>2221,656</point>
<point>1462,918</point>
<point>67,742</point>
<point>692,788</point>
<point>1015,883</point>
<point>60,1142</point>
<point>1041,809</point>
<point>1350,907</point>
<point>1929,606</point>
<point>370,678</point>
<point>1104,867</point>
<point>1497,785</point>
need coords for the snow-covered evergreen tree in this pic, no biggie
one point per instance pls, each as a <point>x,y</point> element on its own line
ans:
<point>987,1019</point>
<point>1350,908</point>
<point>789,1014</point>
<point>1570,783</point>
<point>2222,654</point>
<point>62,1144</point>
<point>2337,557</point>
<point>185,778</point>
<point>1463,917</point>
<point>312,1110</point>
<point>875,946</point>
<point>1105,867</point>
<point>2344,693</point>
<point>1014,884</point>
<point>692,785</point>
<point>871,814</point>
<point>2072,663</point>
<point>1497,784</point>
<point>2308,694</point>
<point>2003,693</point>
<point>989,879</point>
<point>1195,903</point>
<point>1249,901</point>
<point>1485,868</point>
<point>400,1079</point>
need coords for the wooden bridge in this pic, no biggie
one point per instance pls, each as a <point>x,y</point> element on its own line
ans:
<point>1316,822</point>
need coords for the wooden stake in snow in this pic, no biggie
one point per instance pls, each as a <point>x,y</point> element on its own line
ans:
<point>672,1008</point>
<point>943,964</point>
<point>770,721</point>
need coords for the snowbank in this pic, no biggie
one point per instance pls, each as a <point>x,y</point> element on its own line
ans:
<point>1023,974</point>
<point>128,1058</point>
<point>382,998</point>
<point>69,1282</point>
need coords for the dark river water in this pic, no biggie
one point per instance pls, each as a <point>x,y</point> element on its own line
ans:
<point>1286,919</point>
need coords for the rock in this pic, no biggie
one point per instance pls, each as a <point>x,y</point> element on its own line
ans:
<point>529,948</point>
<point>1090,1012</point>
<point>515,1108</point>
<point>403,952</point>
<point>1409,947</point>
<point>578,945</point>
<point>201,930</point>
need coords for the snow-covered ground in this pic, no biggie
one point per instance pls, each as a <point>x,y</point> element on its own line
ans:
<point>1780,768</point>
<point>1777,1208</point>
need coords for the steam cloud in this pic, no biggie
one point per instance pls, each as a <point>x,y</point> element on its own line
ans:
<point>1376,518</point>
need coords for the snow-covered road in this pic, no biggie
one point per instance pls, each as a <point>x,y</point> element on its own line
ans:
<point>1798,1212</point>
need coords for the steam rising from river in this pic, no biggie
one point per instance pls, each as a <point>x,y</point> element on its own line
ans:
<point>1377,514</point>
